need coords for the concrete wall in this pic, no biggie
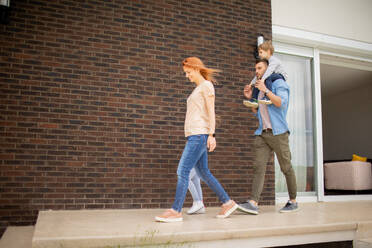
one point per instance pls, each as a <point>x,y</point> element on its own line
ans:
<point>347,122</point>
<point>349,19</point>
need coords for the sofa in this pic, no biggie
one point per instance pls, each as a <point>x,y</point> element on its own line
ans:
<point>348,175</point>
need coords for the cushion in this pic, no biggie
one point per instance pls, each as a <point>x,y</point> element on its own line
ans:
<point>351,175</point>
<point>359,158</point>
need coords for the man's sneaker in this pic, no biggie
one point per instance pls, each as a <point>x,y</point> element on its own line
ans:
<point>197,208</point>
<point>227,210</point>
<point>265,101</point>
<point>248,207</point>
<point>250,104</point>
<point>289,207</point>
<point>169,215</point>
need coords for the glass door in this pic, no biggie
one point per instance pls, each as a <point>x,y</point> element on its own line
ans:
<point>300,121</point>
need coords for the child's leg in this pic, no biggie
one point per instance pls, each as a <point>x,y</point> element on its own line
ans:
<point>254,94</point>
<point>196,180</point>
<point>271,79</point>
<point>194,186</point>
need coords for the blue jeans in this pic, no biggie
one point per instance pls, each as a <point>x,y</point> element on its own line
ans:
<point>195,156</point>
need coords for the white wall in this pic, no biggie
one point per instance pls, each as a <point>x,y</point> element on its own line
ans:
<point>347,124</point>
<point>349,19</point>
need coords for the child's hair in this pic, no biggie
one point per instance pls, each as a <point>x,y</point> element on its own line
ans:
<point>267,46</point>
<point>196,63</point>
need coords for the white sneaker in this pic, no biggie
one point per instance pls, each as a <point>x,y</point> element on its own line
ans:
<point>264,101</point>
<point>197,208</point>
<point>250,104</point>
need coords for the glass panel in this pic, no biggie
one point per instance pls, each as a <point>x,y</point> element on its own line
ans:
<point>300,121</point>
<point>345,134</point>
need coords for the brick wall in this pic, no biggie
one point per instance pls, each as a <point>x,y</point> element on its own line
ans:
<point>93,101</point>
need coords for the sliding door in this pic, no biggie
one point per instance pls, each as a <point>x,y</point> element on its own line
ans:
<point>300,121</point>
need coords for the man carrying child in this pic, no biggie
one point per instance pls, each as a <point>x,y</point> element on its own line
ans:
<point>272,133</point>
<point>274,71</point>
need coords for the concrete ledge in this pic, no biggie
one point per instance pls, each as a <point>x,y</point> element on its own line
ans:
<point>364,229</point>
<point>363,243</point>
<point>17,237</point>
<point>316,222</point>
<point>211,241</point>
<point>364,235</point>
<point>283,240</point>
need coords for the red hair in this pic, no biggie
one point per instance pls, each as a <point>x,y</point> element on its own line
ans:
<point>197,64</point>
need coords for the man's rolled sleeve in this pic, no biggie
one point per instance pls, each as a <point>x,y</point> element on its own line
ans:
<point>281,90</point>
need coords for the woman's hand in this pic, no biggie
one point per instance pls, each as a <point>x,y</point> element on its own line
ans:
<point>211,143</point>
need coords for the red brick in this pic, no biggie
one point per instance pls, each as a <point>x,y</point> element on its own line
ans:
<point>48,125</point>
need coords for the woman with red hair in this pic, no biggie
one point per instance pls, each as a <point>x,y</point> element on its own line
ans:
<point>199,130</point>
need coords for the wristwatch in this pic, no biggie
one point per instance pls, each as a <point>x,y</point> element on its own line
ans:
<point>267,91</point>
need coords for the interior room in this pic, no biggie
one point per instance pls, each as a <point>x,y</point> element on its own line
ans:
<point>347,118</point>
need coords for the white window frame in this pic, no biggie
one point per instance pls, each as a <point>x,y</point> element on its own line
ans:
<point>313,45</point>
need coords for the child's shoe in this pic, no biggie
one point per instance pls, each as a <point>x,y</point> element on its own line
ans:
<point>265,101</point>
<point>250,104</point>
<point>197,208</point>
